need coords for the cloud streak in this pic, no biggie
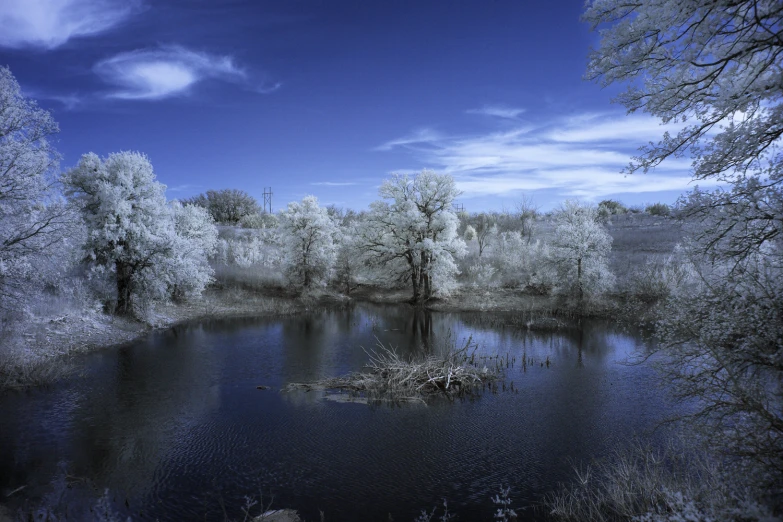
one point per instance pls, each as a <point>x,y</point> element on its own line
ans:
<point>183,188</point>
<point>153,74</point>
<point>48,24</point>
<point>333,183</point>
<point>578,156</point>
<point>420,136</point>
<point>498,111</point>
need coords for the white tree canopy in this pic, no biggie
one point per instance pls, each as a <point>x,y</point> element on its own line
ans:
<point>580,249</point>
<point>413,236</point>
<point>714,65</point>
<point>196,241</point>
<point>151,249</point>
<point>308,234</point>
<point>32,219</point>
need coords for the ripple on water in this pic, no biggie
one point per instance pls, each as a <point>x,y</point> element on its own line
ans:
<point>176,421</point>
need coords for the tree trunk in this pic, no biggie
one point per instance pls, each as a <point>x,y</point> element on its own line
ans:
<point>124,276</point>
<point>424,281</point>
<point>416,288</point>
<point>579,277</point>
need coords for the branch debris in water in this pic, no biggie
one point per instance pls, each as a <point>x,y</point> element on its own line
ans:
<point>392,377</point>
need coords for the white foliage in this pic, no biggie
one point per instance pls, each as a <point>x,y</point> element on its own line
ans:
<point>580,250</point>
<point>480,274</point>
<point>660,278</point>
<point>713,69</point>
<point>520,262</point>
<point>711,66</point>
<point>260,220</point>
<point>196,240</point>
<point>33,222</point>
<point>308,237</point>
<point>149,250</point>
<point>509,252</point>
<point>413,236</point>
<point>470,233</point>
<point>349,266</point>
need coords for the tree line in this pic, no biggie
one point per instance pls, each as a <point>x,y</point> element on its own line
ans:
<point>144,249</point>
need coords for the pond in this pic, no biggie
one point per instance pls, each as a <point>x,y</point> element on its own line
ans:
<point>175,429</point>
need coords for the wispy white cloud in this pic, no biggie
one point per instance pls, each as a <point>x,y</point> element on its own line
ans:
<point>334,183</point>
<point>418,137</point>
<point>50,23</point>
<point>581,156</point>
<point>609,127</point>
<point>153,74</point>
<point>187,187</point>
<point>68,102</point>
<point>498,111</point>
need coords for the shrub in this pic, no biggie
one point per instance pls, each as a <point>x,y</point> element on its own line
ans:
<point>658,278</point>
<point>469,234</point>
<point>227,206</point>
<point>259,220</point>
<point>658,209</point>
<point>480,274</point>
<point>613,207</point>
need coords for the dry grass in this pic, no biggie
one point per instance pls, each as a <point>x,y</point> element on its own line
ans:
<point>391,377</point>
<point>255,278</point>
<point>37,350</point>
<point>645,484</point>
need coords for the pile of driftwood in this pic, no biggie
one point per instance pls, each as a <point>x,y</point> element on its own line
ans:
<point>389,376</point>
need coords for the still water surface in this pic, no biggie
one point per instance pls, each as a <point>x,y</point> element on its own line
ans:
<point>174,427</point>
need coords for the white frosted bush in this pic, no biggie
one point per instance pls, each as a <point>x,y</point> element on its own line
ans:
<point>480,274</point>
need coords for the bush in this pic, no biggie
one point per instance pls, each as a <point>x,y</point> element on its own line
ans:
<point>480,274</point>
<point>227,206</point>
<point>658,209</point>
<point>259,220</point>
<point>659,278</point>
<point>613,207</point>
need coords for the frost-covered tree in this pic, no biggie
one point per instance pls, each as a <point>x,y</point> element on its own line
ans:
<point>713,65</point>
<point>350,260</point>
<point>485,227</point>
<point>527,211</point>
<point>714,68</point>
<point>413,236</point>
<point>227,206</point>
<point>32,219</point>
<point>196,241</point>
<point>469,234</point>
<point>580,250</point>
<point>259,220</point>
<point>149,249</point>
<point>308,235</point>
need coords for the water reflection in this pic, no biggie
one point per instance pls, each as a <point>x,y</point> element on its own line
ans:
<point>176,425</point>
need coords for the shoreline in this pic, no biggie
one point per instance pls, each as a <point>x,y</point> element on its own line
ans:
<point>41,350</point>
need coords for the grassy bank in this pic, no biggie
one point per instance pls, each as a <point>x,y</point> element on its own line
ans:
<point>40,349</point>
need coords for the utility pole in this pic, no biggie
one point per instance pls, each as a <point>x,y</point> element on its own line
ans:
<point>267,200</point>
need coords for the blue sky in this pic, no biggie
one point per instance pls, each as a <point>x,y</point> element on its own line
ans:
<point>329,97</point>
